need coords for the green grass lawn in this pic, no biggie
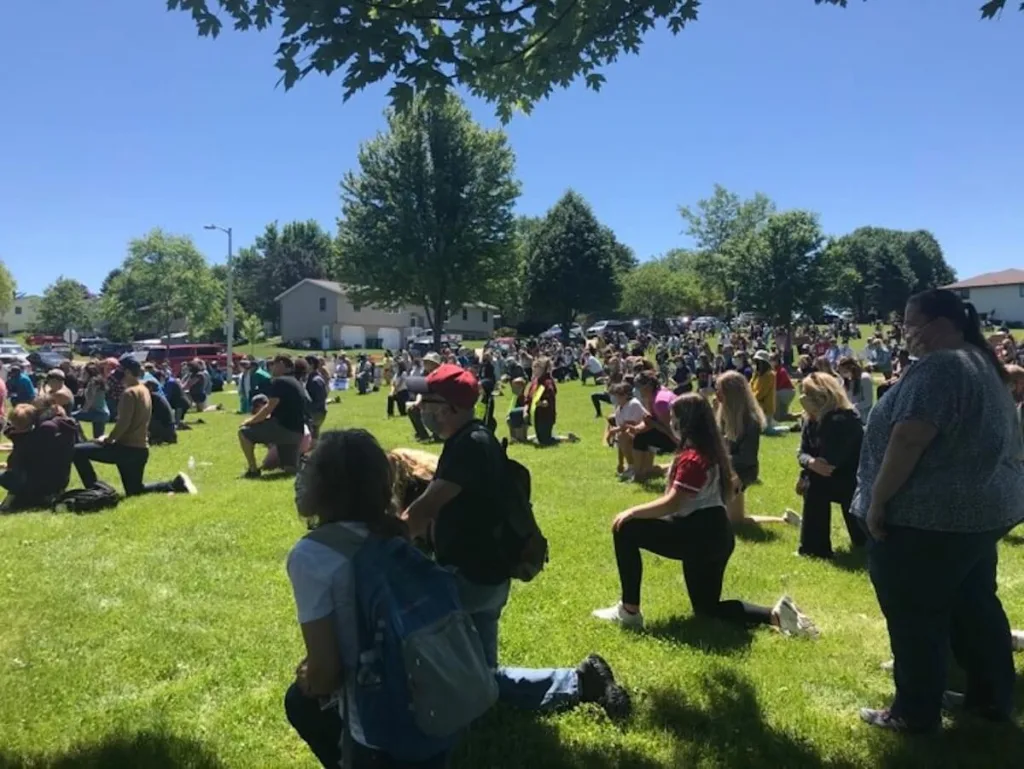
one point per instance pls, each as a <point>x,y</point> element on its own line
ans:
<point>162,634</point>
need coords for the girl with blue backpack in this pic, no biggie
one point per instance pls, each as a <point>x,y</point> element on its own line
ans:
<point>394,669</point>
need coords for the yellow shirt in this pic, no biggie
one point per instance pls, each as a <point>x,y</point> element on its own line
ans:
<point>763,386</point>
<point>133,412</point>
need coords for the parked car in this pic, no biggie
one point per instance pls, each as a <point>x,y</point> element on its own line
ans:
<point>608,326</point>
<point>45,360</point>
<point>38,340</point>
<point>555,332</point>
<point>12,352</point>
<point>706,323</point>
<point>177,354</point>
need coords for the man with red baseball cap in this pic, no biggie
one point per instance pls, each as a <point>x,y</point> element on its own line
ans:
<point>467,503</point>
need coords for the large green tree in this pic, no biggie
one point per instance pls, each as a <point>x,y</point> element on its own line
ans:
<point>7,288</point>
<point>713,224</point>
<point>510,52</point>
<point>280,258</point>
<point>427,220</point>
<point>66,303</point>
<point>163,279</point>
<point>573,264</point>
<point>778,269</point>
<point>656,290</point>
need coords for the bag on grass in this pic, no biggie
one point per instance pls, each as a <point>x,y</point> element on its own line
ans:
<point>422,676</point>
<point>101,496</point>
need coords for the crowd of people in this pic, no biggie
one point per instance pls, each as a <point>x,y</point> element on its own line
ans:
<point>918,439</point>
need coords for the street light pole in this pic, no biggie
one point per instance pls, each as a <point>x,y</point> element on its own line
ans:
<point>229,331</point>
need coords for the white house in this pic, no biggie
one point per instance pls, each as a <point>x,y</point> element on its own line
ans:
<point>997,296</point>
<point>321,310</point>
<point>22,315</point>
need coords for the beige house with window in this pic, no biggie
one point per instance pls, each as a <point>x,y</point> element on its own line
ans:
<point>22,315</point>
<point>997,296</point>
<point>321,311</point>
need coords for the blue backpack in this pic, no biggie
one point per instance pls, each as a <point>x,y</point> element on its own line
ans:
<point>422,676</point>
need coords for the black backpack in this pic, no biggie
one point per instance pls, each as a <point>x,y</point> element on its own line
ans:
<point>522,542</point>
<point>101,496</point>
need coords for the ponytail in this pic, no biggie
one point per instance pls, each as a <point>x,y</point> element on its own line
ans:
<point>974,336</point>
<point>942,303</point>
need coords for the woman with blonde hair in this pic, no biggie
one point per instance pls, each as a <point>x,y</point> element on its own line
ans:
<point>741,420</point>
<point>829,450</point>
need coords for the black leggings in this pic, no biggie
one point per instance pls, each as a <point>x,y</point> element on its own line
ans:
<point>598,398</point>
<point>399,399</point>
<point>816,530</point>
<point>703,541</point>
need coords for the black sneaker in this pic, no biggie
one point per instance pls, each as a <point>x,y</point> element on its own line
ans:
<point>251,473</point>
<point>182,484</point>
<point>597,684</point>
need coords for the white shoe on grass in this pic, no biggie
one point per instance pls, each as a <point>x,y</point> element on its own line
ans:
<point>888,666</point>
<point>1017,637</point>
<point>616,613</point>
<point>626,475</point>
<point>792,621</point>
<point>792,517</point>
<point>182,484</point>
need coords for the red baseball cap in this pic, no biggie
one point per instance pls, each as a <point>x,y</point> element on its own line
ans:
<point>453,383</point>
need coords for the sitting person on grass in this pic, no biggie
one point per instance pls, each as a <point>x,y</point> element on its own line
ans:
<point>57,391</point>
<point>127,445</point>
<point>541,400</point>
<point>629,411</point>
<point>688,523</point>
<point>39,466</point>
<point>161,423</point>
<point>654,434</point>
<point>281,421</point>
<point>516,419</point>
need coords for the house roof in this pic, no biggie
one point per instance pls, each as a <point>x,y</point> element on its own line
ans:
<point>337,288</point>
<point>1002,278</point>
<point>329,285</point>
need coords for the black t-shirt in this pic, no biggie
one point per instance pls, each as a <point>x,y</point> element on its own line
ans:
<point>465,533</point>
<point>162,413</point>
<point>681,374</point>
<point>290,411</point>
<point>317,390</point>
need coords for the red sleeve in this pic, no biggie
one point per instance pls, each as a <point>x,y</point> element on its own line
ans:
<point>690,472</point>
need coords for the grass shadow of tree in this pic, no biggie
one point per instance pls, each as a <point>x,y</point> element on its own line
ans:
<point>511,739</point>
<point>729,729</point>
<point>708,635</point>
<point>855,559</point>
<point>754,532</point>
<point>149,749</point>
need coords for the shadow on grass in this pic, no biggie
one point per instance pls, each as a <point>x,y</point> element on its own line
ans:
<point>152,750</point>
<point>708,635</point>
<point>851,560</point>
<point>513,739</point>
<point>755,532</point>
<point>1014,539</point>
<point>728,729</point>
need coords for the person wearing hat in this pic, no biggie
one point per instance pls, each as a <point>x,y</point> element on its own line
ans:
<point>19,385</point>
<point>425,433</point>
<point>461,509</point>
<point>58,392</point>
<point>127,445</point>
<point>762,382</point>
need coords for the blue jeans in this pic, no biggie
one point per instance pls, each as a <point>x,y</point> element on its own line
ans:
<point>937,591</point>
<point>543,689</point>
<point>98,419</point>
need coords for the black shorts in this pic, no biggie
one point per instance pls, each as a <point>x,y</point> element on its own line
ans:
<point>655,441</point>
<point>270,431</point>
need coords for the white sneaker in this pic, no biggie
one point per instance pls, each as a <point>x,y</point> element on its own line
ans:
<point>792,621</point>
<point>888,666</point>
<point>617,614</point>
<point>792,518</point>
<point>1017,637</point>
<point>572,437</point>
<point>626,475</point>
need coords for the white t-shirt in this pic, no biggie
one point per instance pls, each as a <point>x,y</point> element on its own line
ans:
<point>594,365</point>
<point>631,413</point>
<point>323,584</point>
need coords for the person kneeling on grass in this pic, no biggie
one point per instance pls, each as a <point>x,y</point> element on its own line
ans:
<point>689,524</point>
<point>39,467</point>
<point>127,445</point>
<point>629,411</point>
<point>280,422</point>
<point>654,434</point>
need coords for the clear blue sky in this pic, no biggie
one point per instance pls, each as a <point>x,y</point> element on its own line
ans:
<point>895,113</point>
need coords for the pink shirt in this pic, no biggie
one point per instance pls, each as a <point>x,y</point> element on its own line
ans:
<point>3,397</point>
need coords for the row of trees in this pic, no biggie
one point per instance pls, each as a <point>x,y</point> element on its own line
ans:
<point>427,220</point>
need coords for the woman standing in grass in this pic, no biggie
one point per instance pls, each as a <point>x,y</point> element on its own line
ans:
<point>688,523</point>
<point>859,386</point>
<point>829,448</point>
<point>939,484</point>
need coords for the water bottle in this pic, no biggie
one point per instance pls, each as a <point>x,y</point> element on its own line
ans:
<point>191,464</point>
